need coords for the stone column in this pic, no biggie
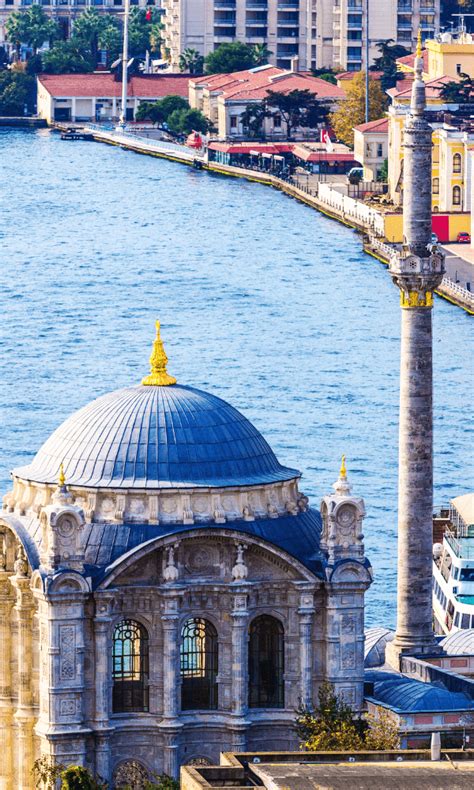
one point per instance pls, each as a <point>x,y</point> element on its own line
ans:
<point>416,270</point>
<point>170,725</point>
<point>24,716</point>
<point>239,655</point>
<point>6,712</point>
<point>305,615</point>
<point>102,703</point>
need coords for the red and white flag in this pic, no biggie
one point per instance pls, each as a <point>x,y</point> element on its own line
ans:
<point>325,138</point>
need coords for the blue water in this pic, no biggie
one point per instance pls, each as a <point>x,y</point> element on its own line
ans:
<point>263,301</point>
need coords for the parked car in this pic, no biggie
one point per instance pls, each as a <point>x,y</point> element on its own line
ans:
<point>464,237</point>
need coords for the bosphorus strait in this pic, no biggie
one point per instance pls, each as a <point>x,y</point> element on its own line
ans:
<point>267,303</point>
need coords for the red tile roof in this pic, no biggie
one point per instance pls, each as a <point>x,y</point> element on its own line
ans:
<point>433,87</point>
<point>151,86</point>
<point>349,75</point>
<point>409,60</point>
<point>379,126</point>
<point>256,83</point>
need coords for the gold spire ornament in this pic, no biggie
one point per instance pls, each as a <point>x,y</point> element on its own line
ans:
<point>61,476</point>
<point>343,470</point>
<point>419,47</point>
<point>158,360</point>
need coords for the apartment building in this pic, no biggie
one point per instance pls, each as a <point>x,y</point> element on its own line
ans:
<point>320,32</point>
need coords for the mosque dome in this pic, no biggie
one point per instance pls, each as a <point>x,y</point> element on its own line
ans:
<point>157,435</point>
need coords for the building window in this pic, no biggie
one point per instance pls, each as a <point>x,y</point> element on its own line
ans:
<point>435,186</point>
<point>379,149</point>
<point>130,668</point>
<point>266,663</point>
<point>457,162</point>
<point>199,665</point>
<point>233,121</point>
<point>277,121</point>
<point>456,196</point>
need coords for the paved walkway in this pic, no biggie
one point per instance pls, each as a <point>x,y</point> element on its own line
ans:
<point>460,264</point>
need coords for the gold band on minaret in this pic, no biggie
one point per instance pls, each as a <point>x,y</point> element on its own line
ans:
<point>159,376</point>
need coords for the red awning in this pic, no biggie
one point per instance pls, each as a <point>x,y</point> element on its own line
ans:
<point>251,148</point>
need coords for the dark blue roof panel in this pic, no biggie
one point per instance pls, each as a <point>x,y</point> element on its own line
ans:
<point>297,535</point>
<point>157,437</point>
<point>406,694</point>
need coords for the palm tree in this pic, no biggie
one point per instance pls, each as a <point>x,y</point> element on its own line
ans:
<point>261,54</point>
<point>191,61</point>
<point>89,27</point>
<point>31,27</point>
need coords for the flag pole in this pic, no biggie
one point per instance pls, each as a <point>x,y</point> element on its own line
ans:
<point>123,112</point>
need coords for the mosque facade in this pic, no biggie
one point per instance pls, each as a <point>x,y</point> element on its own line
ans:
<point>166,590</point>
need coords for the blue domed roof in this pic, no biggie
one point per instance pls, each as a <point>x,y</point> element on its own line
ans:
<point>157,437</point>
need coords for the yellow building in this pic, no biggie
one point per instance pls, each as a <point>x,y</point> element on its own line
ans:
<point>453,130</point>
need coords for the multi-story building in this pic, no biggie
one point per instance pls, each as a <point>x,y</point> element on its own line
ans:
<point>320,32</point>
<point>65,11</point>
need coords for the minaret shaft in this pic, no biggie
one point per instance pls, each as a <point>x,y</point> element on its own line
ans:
<point>415,492</point>
<point>417,269</point>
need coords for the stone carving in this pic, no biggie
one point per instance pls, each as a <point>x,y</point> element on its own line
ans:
<point>348,658</point>
<point>348,624</point>
<point>171,573</point>
<point>199,761</point>
<point>67,707</point>
<point>130,774</point>
<point>21,563</point>
<point>240,570</point>
<point>66,527</point>
<point>67,647</point>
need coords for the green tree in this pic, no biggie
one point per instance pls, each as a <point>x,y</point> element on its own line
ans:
<point>46,772</point>
<point>328,75</point>
<point>351,111</point>
<point>89,28</point>
<point>150,111</point>
<point>17,92</point>
<point>253,118</point>
<point>191,61</point>
<point>144,34</point>
<point>383,172</point>
<point>261,54</point>
<point>187,121</point>
<point>297,108</point>
<point>76,777</point>
<point>68,57</point>
<point>461,92</point>
<point>230,57</point>
<point>333,727</point>
<point>159,111</point>
<point>387,63</point>
<point>31,27</point>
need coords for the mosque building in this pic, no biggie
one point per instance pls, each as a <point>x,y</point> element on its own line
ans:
<point>167,592</point>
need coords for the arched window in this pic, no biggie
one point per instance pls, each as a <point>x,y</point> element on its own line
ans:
<point>456,196</point>
<point>435,186</point>
<point>457,163</point>
<point>266,663</point>
<point>199,665</point>
<point>130,668</point>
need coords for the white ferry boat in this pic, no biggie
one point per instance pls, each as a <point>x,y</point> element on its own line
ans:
<point>453,566</point>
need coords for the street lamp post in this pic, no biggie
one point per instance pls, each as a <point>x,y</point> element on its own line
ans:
<point>367,106</point>
<point>123,112</point>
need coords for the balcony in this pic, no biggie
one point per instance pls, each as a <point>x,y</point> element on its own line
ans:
<point>224,32</point>
<point>285,32</point>
<point>256,32</point>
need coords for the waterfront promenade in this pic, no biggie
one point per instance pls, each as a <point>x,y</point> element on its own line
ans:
<point>302,187</point>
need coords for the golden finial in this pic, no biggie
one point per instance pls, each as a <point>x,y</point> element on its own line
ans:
<point>158,376</point>
<point>62,476</point>
<point>343,470</point>
<point>419,48</point>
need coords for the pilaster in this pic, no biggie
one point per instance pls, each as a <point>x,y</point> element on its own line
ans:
<point>6,709</point>
<point>170,724</point>
<point>24,715</point>
<point>305,620</point>
<point>101,721</point>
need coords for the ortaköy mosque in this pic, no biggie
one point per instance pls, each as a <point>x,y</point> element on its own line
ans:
<point>166,590</point>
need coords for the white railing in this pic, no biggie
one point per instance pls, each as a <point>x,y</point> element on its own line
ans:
<point>456,290</point>
<point>365,215</point>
